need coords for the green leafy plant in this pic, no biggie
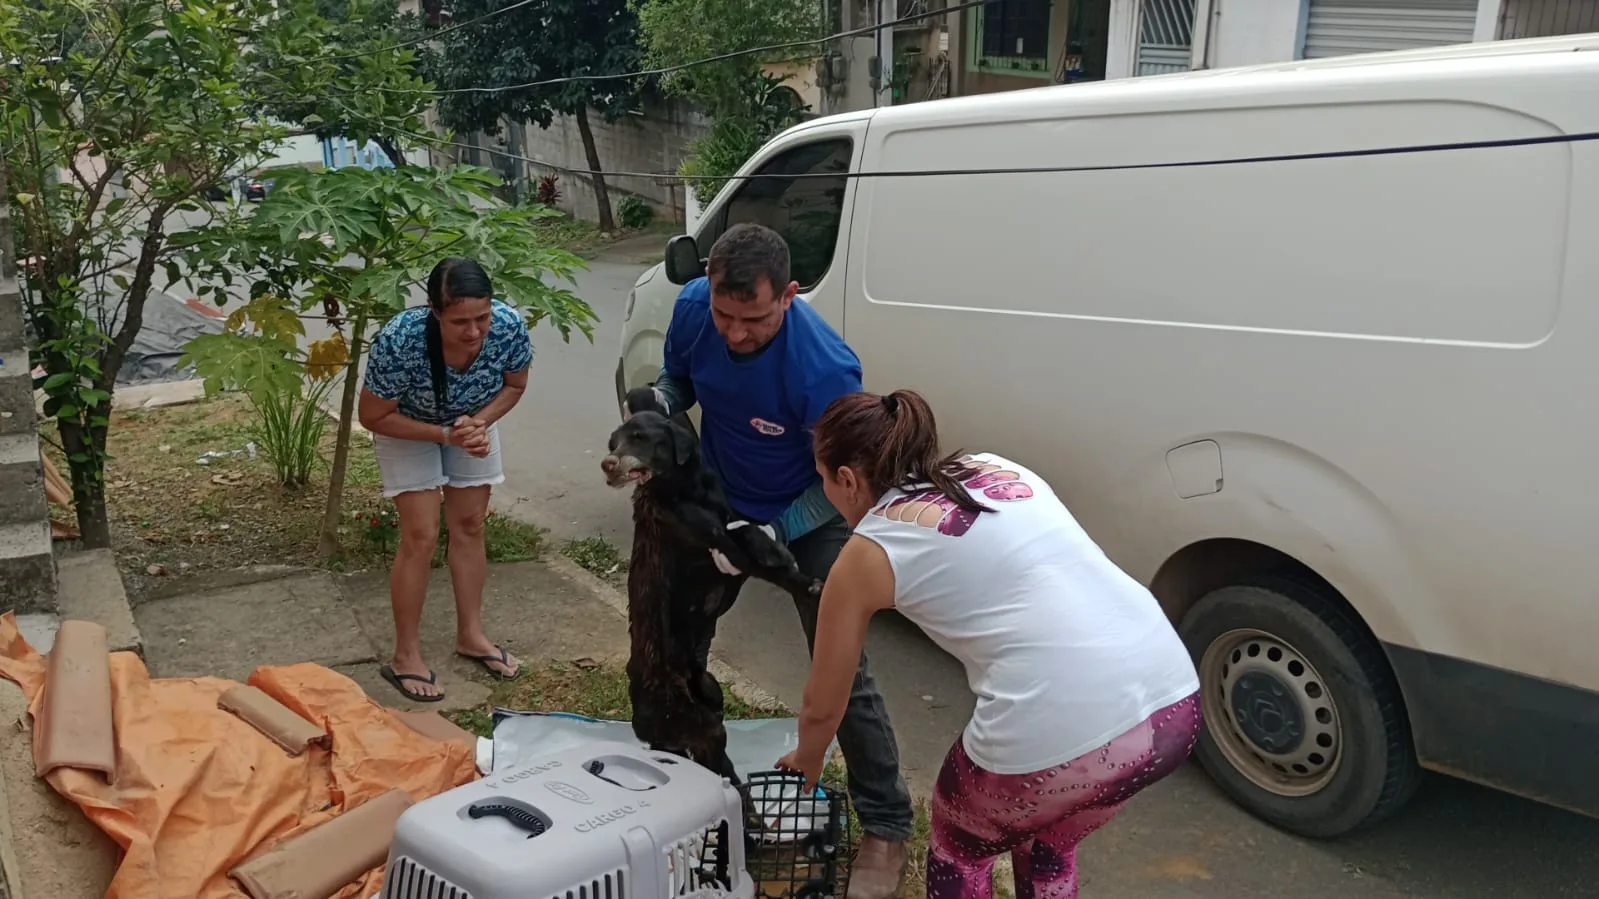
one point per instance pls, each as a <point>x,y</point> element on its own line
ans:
<point>356,245</point>
<point>289,428</point>
<point>764,108</point>
<point>634,212</point>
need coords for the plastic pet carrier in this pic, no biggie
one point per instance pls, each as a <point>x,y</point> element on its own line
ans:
<point>598,821</point>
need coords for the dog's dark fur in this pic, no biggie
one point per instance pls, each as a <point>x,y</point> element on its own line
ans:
<point>675,591</point>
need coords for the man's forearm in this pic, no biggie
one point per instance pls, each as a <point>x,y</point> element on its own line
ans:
<point>677,390</point>
<point>809,511</point>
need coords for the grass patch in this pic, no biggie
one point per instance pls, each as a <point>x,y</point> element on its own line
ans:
<point>581,688</point>
<point>186,495</point>
<point>598,556</point>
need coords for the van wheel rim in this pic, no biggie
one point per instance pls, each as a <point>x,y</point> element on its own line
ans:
<point>1270,713</point>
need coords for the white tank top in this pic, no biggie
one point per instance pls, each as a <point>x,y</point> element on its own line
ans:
<point>1063,649</point>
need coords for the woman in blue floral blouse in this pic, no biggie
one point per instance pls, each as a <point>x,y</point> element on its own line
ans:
<point>438,378</point>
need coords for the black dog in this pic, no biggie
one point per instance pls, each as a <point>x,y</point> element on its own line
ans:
<point>675,592</point>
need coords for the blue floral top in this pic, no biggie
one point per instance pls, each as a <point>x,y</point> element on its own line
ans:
<point>397,365</point>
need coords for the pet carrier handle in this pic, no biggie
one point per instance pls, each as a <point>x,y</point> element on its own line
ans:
<point>521,817</point>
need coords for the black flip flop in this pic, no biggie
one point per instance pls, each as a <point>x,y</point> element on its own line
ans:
<point>504,658</point>
<point>397,680</point>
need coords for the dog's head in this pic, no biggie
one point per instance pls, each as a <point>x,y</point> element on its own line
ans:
<point>646,446</point>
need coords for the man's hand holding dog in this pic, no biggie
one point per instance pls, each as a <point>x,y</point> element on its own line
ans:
<point>722,563</point>
<point>470,434</point>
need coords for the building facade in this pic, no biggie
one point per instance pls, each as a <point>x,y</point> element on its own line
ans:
<point>1014,44</point>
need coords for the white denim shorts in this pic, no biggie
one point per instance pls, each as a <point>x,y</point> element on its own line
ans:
<point>409,466</point>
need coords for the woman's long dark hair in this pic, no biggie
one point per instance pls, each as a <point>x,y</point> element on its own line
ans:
<point>454,278</point>
<point>892,441</point>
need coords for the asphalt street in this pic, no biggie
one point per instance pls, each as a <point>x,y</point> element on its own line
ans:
<point>1179,839</point>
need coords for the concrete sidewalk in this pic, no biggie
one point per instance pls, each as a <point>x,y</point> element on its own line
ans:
<point>234,622</point>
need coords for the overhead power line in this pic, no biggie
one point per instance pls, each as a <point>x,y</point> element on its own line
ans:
<point>721,57</point>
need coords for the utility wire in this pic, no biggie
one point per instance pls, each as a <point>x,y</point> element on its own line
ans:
<point>721,57</point>
<point>430,36</point>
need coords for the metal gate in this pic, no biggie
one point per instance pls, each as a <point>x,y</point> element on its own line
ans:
<point>1343,27</point>
<point>1165,37</point>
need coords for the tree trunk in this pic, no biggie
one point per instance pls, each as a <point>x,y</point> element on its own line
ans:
<point>396,155</point>
<point>328,543</point>
<point>602,196</point>
<point>87,468</point>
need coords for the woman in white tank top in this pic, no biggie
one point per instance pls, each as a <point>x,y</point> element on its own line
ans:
<point>1085,694</point>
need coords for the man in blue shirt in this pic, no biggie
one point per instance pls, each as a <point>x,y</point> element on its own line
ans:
<point>763,369</point>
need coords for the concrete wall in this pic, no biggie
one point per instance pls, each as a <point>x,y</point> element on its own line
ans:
<point>654,143</point>
<point>27,567</point>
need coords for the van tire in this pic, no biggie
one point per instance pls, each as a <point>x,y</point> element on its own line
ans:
<point>1255,625</point>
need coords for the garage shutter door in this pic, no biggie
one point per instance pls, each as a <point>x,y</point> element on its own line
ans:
<point>1342,27</point>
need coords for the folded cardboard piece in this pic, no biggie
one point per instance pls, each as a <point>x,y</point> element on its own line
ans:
<point>75,727</point>
<point>273,719</point>
<point>327,857</point>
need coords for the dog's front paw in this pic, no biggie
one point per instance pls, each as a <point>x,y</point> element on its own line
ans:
<point>815,588</point>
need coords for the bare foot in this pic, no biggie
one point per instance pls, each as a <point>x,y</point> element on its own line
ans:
<point>497,660</point>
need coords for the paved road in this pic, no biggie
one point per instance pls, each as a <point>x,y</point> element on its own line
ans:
<point>1181,839</point>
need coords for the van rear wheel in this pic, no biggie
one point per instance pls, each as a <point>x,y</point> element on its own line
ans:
<point>1304,724</point>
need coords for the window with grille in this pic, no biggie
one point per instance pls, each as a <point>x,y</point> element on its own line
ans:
<point>1014,36</point>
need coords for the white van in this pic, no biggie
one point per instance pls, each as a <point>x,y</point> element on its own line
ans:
<point>1339,409</point>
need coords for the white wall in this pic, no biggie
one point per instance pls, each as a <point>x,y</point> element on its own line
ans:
<point>1250,32</point>
<point>1244,32</point>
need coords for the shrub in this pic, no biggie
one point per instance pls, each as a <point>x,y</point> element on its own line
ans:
<point>548,192</point>
<point>634,212</point>
<point>289,427</point>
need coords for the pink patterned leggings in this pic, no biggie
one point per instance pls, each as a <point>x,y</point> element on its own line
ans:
<point>1039,818</point>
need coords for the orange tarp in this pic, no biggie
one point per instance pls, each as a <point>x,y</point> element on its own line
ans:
<point>198,790</point>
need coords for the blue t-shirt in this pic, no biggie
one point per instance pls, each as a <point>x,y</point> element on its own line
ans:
<point>756,415</point>
<point>397,365</point>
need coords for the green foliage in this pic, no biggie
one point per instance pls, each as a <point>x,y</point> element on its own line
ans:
<point>747,105</point>
<point>552,39</point>
<point>767,107</point>
<point>289,427</point>
<point>366,237</point>
<point>114,116</point>
<point>635,212</point>
<point>677,32</point>
<point>540,41</point>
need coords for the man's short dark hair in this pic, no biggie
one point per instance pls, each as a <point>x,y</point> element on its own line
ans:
<point>744,256</point>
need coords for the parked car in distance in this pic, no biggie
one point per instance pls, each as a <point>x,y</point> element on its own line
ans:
<point>256,188</point>
<point>1260,342</point>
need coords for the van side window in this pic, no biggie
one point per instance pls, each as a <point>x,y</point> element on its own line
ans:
<point>805,210</point>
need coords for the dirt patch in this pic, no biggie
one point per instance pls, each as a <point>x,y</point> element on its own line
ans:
<point>189,492</point>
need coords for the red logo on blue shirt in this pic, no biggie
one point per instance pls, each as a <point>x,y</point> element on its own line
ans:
<point>769,428</point>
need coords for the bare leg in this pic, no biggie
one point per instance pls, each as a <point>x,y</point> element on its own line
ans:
<point>408,583</point>
<point>464,511</point>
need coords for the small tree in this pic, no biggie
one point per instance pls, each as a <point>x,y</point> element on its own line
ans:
<point>114,116</point>
<point>541,41</point>
<point>355,244</point>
